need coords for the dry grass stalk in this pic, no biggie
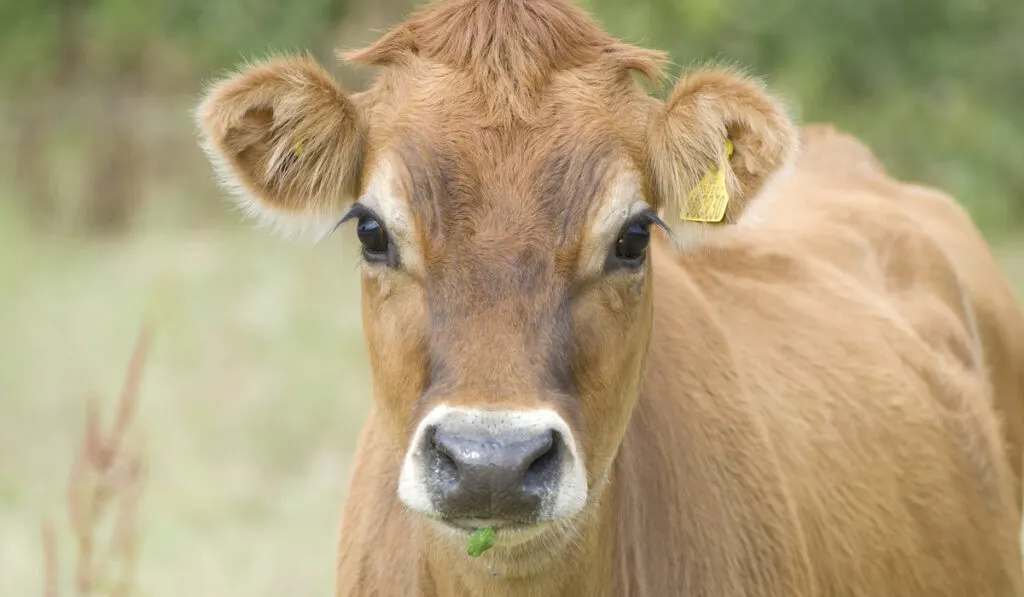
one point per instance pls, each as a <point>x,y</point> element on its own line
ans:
<point>107,476</point>
<point>50,573</point>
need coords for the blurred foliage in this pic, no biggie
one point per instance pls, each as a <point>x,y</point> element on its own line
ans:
<point>932,85</point>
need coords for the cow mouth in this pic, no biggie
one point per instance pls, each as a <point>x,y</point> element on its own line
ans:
<point>474,524</point>
<point>508,533</point>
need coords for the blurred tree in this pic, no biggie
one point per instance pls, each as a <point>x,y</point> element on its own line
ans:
<point>931,85</point>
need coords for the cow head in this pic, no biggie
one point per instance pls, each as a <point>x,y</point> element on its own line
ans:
<point>505,175</point>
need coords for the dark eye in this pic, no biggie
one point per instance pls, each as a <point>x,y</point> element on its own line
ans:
<point>373,238</point>
<point>631,246</point>
<point>372,235</point>
<point>377,246</point>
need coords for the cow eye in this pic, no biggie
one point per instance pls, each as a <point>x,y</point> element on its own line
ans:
<point>632,243</point>
<point>373,238</point>
<point>631,246</point>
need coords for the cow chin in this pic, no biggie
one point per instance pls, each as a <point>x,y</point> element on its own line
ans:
<point>518,471</point>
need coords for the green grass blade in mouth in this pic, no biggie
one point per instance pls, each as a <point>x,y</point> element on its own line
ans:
<point>480,541</point>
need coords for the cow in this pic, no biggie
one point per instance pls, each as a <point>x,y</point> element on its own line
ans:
<point>679,346</point>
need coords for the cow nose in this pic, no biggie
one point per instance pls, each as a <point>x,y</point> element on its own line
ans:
<point>493,476</point>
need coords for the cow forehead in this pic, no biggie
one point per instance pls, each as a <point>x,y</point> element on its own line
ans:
<point>516,182</point>
<point>457,137</point>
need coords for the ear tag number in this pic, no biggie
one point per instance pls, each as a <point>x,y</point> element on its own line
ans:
<point>707,201</point>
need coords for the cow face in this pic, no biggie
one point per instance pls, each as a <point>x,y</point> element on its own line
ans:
<point>504,196</point>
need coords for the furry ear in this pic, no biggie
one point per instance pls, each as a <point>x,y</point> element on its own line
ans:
<point>713,147</point>
<point>285,141</point>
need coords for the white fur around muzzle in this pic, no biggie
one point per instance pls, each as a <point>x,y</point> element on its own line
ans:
<point>570,495</point>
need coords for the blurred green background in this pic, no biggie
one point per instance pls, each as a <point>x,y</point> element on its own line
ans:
<point>258,382</point>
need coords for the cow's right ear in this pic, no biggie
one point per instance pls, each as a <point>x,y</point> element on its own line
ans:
<point>285,140</point>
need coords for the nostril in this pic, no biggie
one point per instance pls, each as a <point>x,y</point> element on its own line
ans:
<point>545,463</point>
<point>446,465</point>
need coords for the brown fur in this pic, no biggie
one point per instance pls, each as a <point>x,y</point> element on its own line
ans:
<point>806,402</point>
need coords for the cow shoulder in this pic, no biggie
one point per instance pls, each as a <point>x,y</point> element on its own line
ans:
<point>841,207</point>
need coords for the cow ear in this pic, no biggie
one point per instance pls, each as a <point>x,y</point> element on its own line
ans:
<point>285,141</point>
<point>714,146</point>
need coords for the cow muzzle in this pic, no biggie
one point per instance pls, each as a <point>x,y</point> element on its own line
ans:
<point>469,468</point>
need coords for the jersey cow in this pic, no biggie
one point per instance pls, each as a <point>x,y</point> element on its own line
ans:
<point>662,347</point>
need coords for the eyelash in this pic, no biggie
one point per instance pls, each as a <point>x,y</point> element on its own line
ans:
<point>356,211</point>
<point>648,216</point>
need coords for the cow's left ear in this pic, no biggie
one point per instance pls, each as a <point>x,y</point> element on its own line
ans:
<point>714,146</point>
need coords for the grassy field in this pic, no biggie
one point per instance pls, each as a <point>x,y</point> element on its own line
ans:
<point>255,389</point>
<point>253,396</point>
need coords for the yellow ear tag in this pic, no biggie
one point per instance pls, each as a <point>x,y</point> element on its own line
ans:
<point>707,201</point>
<point>297,148</point>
